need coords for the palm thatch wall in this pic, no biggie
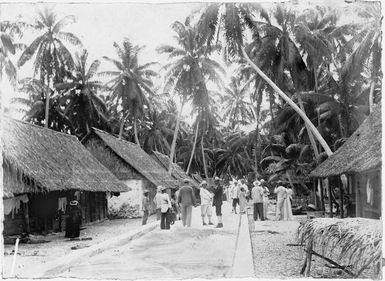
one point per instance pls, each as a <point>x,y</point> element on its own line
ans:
<point>361,152</point>
<point>177,172</point>
<point>356,242</point>
<point>36,159</point>
<point>137,158</point>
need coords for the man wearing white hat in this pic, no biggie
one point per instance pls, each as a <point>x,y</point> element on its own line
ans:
<point>257,196</point>
<point>217,202</point>
<point>206,201</point>
<point>158,201</point>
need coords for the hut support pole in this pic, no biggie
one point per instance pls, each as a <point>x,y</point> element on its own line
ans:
<point>26,217</point>
<point>322,195</point>
<point>330,198</point>
<point>309,252</point>
<point>341,201</point>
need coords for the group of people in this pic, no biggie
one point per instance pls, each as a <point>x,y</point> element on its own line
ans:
<point>180,204</point>
<point>259,193</point>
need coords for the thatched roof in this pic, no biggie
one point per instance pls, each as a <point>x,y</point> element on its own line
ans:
<point>361,152</point>
<point>137,158</point>
<point>177,172</point>
<point>40,160</point>
<point>351,241</point>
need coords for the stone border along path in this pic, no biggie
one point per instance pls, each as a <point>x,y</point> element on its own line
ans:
<point>66,262</point>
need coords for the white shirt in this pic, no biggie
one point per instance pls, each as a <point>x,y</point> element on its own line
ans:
<point>206,196</point>
<point>281,192</point>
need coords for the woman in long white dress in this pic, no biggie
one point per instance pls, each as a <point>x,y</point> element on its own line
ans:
<point>287,212</point>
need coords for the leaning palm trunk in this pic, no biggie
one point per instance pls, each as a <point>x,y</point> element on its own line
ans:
<point>291,103</point>
<point>193,149</point>
<point>173,144</point>
<point>372,84</point>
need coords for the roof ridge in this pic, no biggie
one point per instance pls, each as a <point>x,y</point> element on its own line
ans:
<point>123,140</point>
<point>39,127</point>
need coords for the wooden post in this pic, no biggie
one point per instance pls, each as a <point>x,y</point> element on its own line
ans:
<point>330,200</point>
<point>26,217</point>
<point>309,253</point>
<point>322,195</point>
<point>341,201</point>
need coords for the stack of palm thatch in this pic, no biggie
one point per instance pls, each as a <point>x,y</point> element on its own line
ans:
<point>355,241</point>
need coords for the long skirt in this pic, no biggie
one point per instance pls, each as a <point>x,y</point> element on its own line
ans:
<point>287,212</point>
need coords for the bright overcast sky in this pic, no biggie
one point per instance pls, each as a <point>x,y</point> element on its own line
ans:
<point>100,24</point>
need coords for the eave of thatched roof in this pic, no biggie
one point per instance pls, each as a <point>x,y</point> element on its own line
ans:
<point>137,158</point>
<point>177,172</point>
<point>361,152</point>
<point>45,160</point>
<point>354,241</point>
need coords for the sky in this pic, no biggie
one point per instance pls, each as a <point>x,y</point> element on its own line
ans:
<point>100,24</point>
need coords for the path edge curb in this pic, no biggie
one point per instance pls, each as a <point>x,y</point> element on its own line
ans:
<point>57,266</point>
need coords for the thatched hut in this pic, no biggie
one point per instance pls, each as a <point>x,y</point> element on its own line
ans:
<point>42,170</point>
<point>130,164</point>
<point>359,158</point>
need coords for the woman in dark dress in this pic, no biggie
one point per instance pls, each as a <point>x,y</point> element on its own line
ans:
<point>74,220</point>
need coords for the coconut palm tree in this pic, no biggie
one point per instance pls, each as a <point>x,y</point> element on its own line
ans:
<point>188,70</point>
<point>53,61</point>
<point>130,84</point>
<point>237,108</point>
<point>287,58</point>
<point>84,108</point>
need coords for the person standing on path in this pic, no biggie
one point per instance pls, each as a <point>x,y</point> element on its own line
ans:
<point>217,202</point>
<point>287,211</point>
<point>186,199</point>
<point>234,195</point>
<point>242,200</point>
<point>257,196</point>
<point>157,202</point>
<point>206,202</point>
<point>165,208</point>
<point>266,194</point>
<point>281,196</point>
<point>145,206</point>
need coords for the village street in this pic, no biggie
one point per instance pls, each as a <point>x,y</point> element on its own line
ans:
<point>196,252</point>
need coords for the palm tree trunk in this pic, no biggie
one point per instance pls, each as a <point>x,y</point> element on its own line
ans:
<point>291,103</point>
<point>47,108</point>
<point>372,84</point>
<point>136,132</point>
<point>311,137</point>
<point>173,144</point>
<point>204,159</point>
<point>122,125</point>
<point>193,149</point>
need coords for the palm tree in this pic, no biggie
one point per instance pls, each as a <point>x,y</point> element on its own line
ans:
<point>237,109</point>
<point>35,104</point>
<point>85,108</point>
<point>157,132</point>
<point>131,83</point>
<point>53,60</point>
<point>367,47</point>
<point>189,70</point>
<point>237,37</point>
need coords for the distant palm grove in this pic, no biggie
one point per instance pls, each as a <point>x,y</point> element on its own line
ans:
<point>330,69</point>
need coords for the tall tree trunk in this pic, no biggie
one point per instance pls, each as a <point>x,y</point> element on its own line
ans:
<point>47,108</point>
<point>122,125</point>
<point>136,132</point>
<point>271,112</point>
<point>173,144</point>
<point>371,93</point>
<point>193,149</point>
<point>203,157</point>
<point>291,103</point>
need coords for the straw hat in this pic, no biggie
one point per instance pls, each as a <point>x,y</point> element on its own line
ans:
<point>203,182</point>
